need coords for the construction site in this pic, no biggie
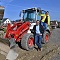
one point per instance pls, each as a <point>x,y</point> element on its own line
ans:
<point>17,39</point>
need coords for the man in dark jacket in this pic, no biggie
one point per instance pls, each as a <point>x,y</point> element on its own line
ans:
<point>37,35</point>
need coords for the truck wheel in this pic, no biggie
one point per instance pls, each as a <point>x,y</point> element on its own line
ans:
<point>46,37</point>
<point>27,41</point>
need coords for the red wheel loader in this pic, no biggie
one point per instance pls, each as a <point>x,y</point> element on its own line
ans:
<point>18,32</point>
<point>21,31</point>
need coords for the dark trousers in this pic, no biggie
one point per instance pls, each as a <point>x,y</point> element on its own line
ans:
<point>38,39</point>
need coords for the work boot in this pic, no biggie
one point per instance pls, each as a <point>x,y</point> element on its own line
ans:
<point>42,42</point>
<point>40,49</point>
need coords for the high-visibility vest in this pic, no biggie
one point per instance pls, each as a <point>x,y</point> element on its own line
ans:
<point>44,17</point>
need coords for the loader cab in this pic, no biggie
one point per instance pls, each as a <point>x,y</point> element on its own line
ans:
<point>31,14</point>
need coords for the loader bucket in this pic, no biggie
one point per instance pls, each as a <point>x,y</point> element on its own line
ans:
<point>12,43</point>
<point>9,42</point>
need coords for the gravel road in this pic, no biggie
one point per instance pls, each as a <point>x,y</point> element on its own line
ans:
<point>56,36</point>
<point>56,39</point>
<point>51,50</point>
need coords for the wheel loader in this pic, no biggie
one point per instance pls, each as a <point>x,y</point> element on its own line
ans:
<point>21,31</point>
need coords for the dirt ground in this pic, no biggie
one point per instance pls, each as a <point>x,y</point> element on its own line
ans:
<point>50,50</point>
<point>2,57</point>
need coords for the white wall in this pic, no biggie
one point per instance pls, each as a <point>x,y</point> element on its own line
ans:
<point>7,21</point>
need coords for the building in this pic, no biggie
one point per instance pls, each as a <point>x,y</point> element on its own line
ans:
<point>5,21</point>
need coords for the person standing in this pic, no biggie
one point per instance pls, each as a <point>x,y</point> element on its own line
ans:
<point>37,35</point>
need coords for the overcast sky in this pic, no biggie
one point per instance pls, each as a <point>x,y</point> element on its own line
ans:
<point>13,7</point>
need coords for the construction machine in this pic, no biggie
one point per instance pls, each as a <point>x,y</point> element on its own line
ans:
<point>21,31</point>
<point>32,15</point>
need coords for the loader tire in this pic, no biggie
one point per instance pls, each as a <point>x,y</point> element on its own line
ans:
<point>46,37</point>
<point>27,41</point>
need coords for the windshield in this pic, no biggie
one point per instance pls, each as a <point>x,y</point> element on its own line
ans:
<point>29,16</point>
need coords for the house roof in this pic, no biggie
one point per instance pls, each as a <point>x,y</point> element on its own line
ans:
<point>4,19</point>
